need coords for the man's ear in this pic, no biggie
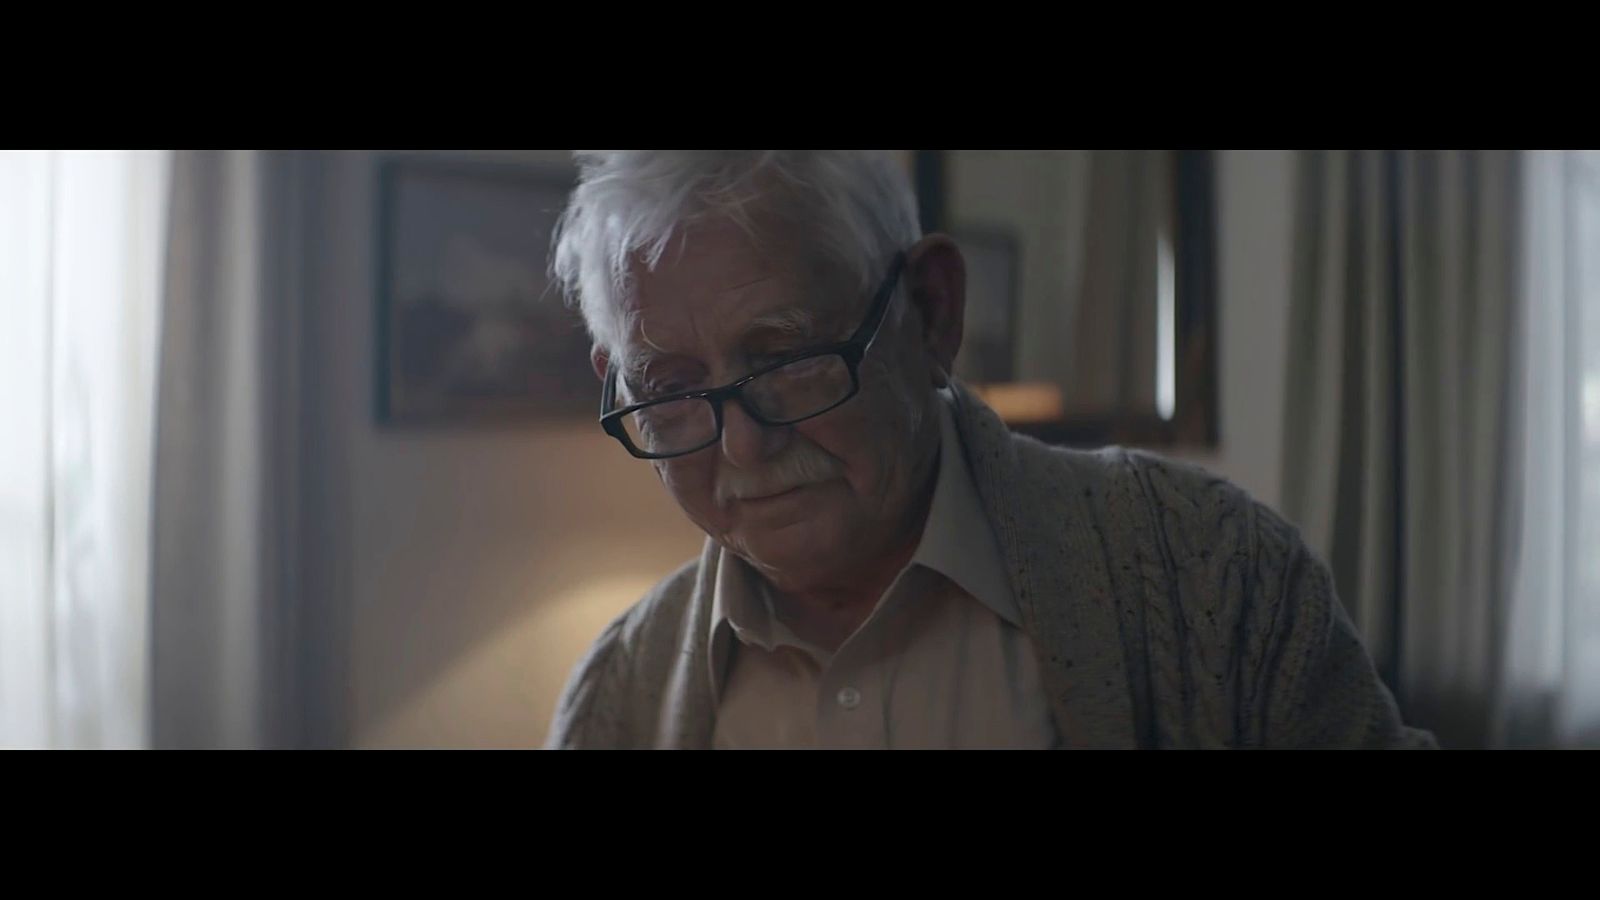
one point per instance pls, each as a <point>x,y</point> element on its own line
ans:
<point>600,360</point>
<point>936,275</point>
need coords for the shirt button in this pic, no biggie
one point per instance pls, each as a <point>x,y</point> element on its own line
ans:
<point>849,698</point>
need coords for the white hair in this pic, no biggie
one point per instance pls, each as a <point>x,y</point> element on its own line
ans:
<point>855,208</point>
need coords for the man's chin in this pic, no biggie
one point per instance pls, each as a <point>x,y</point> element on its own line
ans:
<point>789,549</point>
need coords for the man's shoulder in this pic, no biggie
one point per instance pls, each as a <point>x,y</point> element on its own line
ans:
<point>1120,489</point>
<point>659,612</point>
<point>613,695</point>
<point>1138,510</point>
<point>1132,488</point>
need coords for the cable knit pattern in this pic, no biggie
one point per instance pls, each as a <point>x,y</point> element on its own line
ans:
<point>1169,609</point>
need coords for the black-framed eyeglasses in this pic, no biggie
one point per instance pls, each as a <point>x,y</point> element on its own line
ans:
<point>799,387</point>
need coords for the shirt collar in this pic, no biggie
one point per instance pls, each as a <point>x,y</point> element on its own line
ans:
<point>958,541</point>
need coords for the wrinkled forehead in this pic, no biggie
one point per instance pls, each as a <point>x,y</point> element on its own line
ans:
<point>716,289</point>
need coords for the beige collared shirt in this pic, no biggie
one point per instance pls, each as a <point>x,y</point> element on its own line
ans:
<point>942,661</point>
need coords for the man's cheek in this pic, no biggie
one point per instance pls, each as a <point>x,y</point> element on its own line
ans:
<point>690,486</point>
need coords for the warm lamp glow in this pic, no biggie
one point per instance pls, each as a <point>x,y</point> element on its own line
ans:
<point>1024,401</point>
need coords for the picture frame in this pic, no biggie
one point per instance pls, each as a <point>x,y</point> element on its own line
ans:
<point>471,330</point>
<point>989,339</point>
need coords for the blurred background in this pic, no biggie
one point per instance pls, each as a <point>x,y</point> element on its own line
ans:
<point>298,448</point>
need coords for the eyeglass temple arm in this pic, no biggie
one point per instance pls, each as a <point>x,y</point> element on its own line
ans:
<point>880,304</point>
<point>608,394</point>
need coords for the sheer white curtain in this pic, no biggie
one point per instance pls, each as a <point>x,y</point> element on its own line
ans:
<point>82,239</point>
<point>1398,384</point>
<point>226,658</point>
<point>1550,686</point>
<point>1442,442</point>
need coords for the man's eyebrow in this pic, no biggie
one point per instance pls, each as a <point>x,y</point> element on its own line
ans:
<point>791,321</point>
<point>756,280</point>
<point>634,367</point>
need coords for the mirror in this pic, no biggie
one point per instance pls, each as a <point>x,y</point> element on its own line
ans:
<point>1090,300</point>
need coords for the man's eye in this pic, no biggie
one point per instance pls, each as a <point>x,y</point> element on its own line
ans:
<point>762,360</point>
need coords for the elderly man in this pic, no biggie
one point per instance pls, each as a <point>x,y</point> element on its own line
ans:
<point>886,565</point>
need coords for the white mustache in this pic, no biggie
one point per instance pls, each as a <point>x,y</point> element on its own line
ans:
<point>801,464</point>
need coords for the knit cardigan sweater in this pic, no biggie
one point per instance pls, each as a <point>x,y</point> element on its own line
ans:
<point>1168,610</point>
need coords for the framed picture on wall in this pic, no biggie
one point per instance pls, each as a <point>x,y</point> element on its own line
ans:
<point>989,345</point>
<point>471,330</point>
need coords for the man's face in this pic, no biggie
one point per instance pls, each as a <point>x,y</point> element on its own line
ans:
<point>803,502</point>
